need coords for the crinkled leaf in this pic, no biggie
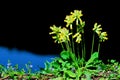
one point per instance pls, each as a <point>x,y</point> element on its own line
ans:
<point>60,60</point>
<point>64,63</point>
<point>79,72</point>
<point>65,55</point>
<point>93,57</point>
<point>68,65</point>
<point>55,64</point>
<point>70,73</point>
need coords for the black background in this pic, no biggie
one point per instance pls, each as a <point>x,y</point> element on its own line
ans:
<point>25,25</point>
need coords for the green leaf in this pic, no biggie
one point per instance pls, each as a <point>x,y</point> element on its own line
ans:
<point>60,60</point>
<point>79,72</point>
<point>64,63</point>
<point>65,55</point>
<point>112,61</point>
<point>70,73</point>
<point>68,65</point>
<point>47,65</point>
<point>55,64</point>
<point>83,24</point>
<point>92,59</point>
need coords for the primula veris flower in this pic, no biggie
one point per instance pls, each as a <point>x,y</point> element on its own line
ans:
<point>64,35</point>
<point>69,19</point>
<point>55,29</point>
<point>77,14</point>
<point>78,37</point>
<point>103,36</point>
<point>97,28</point>
<point>60,34</point>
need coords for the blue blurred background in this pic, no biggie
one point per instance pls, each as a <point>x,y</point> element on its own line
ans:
<point>22,57</point>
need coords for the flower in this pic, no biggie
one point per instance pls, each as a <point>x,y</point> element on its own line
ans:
<point>64,35</point>
<point>69,19</point>
<point>103,36</point>
<point>55,32</point>
<point>55,29</point>
<point>60,34</point>
<point>97,28</point>
<point>78,37</point>
<point>77,14</point>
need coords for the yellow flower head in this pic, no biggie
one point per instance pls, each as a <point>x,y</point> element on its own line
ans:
<point>97,28</point>
<point>103,36</point>
<point>64,35</point>
<point>77,14</point>
<point>55,32</point>
<point>59,34</point>
<point>55,29</point>
<point>69,19</point>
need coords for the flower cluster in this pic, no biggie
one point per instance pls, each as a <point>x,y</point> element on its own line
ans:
<point>60,34</point>
<point>102,35</point>
<point>76,15</point>
<point>63,34</point>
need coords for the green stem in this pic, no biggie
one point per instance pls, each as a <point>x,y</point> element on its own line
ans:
<point>84,50</point>
<point>78,51</point>
<point>67,46</point>
<point>92,43</point>
<point>98,47</point>
<point>72,45</point>
<point>70,48</point>
<point>73,48</point>
<point>77,46</point>
<point>62,46</point>
<point>72,55</point>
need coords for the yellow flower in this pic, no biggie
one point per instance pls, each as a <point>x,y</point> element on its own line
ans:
<point>69,19</point>
<point>55,29</point>
<point>64,35</point>
<point>78,37</point>
<point>60,34</point>
<point>55,32</point>
<point>77,14</point>
<point>103,36</point>
<point>97,28</point>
